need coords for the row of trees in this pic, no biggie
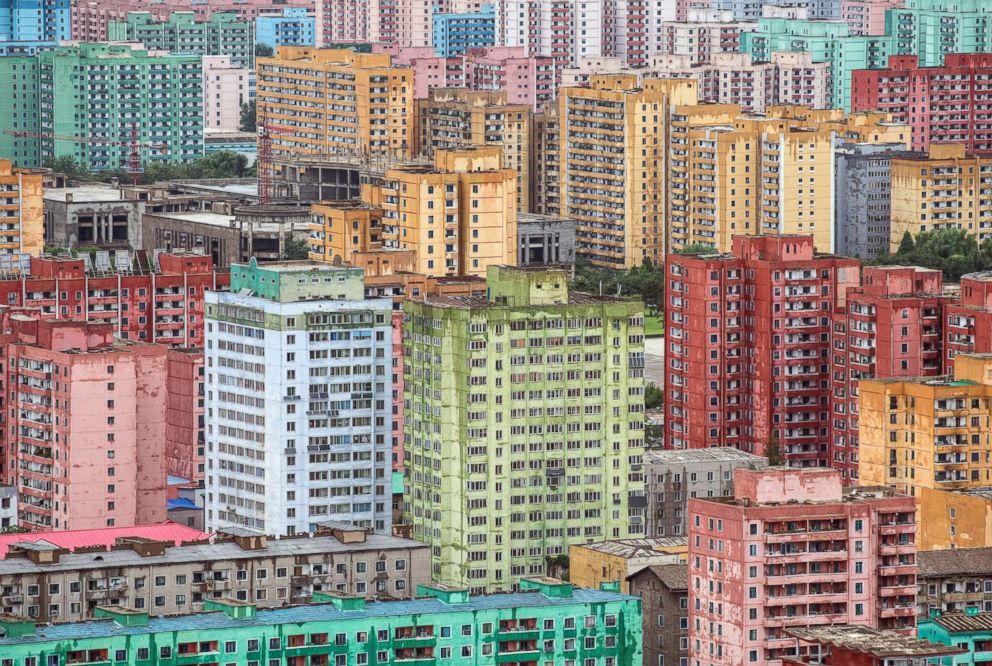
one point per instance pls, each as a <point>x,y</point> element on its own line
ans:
<point>955,252</point>
<point>224,164</point>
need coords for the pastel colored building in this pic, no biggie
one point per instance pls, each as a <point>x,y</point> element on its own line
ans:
<point>539,623</point>
<point>355,21</point>
<point>846,645</point>
<point>34,21</point>
<point>968,321</point>
<point>364,103</point>
<point>224,33</point>
<point>296,26</point>
<point>931,29</point>
<point>954,112</point>
<point>747,344</point>
<point>22,211</point>
<point>491,420</point>
<point>792,550</point>
<point>184,414</point>
<point>456,33</point>
<point>299,400</point>
<point>703,34</point>
<point>969,631</point>
<point>104,538</point>
<point>890,327</point>
<point>115,394</point>
<point>867,17</point>
<point>604,562</point>
<point>226,87</point>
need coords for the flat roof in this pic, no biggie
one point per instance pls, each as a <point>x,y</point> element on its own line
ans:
<point>479,302</point>
<point>218,621</point>
<point>875,642</point>
<point>204,217</point>
<point>716,454</point>
<point>629,548</point>
<point>88,193</point>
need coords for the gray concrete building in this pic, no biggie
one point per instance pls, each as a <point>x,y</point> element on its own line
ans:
<point>91,215</point>
<point>39,580</point>
<point>664,593</point>
<point>862,198</point>
<point>544,240</point>
<point>672,477</point>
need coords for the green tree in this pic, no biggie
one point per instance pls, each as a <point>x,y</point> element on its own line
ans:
<point>955,252</point>
<point>296,249</point>
<point>654,397</point>
<point>697,248</point>
<point>906,245</point>
<point>263,51</point>
<point>773,451</point>
<point>66,164</point>
<point>247,121</point>
<point>13,529</point>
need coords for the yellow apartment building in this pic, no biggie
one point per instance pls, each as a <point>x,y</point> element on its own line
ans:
<point>339,229</point>
<point>612,165</point>
<point>945,188</point>
<point>336,101</point>
<point>22,210</point>
<point>459,216</point>
<point>460,118</point>
<point>591,564</point>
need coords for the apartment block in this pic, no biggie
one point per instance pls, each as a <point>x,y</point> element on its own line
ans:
<point>867,17</point>
<point>748,343</point>
<point>352,21</point>
<point>504,396</point>
<point>702,34</point>
<point>8,506</point>
<point>664,593</point>
<point>42,21</point>
<point>890,327</point>
<point>296,26</point>
<point>928,433</point>
<point>459,216</point>
<point>593,624</point>
<point>954,112</point>
<point>226,87</point>
<point>457,32</point>
<point>612,562</point>
<point>327,101</point>
<point>672,477</point>
<point>838,645</point>
<point>453,118</point>
<point>612,165</point>
<point>931,29</point>
<point>224,33</point>
<point>967,321</point>
<point>340,229</point>
<point>547,163</point>
<point>298,407</point>
<point>112,390</point>
<point>813,555</point>
<point>954,580</point>
<point>863,197</point>
<point>185,440</point>
<point>58,586</point>
<point>943,188</point>
<point>22,213</point>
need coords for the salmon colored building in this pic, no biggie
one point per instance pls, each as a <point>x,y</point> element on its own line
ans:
<point>968,321</point>
<point>85,433</point>
<point>184,435</point>
<point>793,548</point>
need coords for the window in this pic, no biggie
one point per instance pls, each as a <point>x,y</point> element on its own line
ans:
<point>120,655</point>
<point>446,653</point>
<point>273,643</point>
<point>230,646</point>
<point>253,645</point>
<point>165,652</point>
<point>142,653</point>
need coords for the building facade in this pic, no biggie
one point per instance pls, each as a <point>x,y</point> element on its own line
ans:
<point>298,407</point>
<point>828,558</point>
<point>296,26</point>
<point>664,593</point>
<point>867,17</point>
<point>42,21</point>
<point>458,32</point>
<point>478,389</point>
<point>224,33</point>
<point>226,88</point>
<point>702,34</point>
<point>545,240</point>
<point>954,580</point>
<point>22,210</point>
<point>748,347</point>
<point>612,562</point>
<point>672,477</point>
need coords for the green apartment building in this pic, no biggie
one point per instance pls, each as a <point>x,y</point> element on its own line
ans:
<point>224,33</point>
<point>91,92</point>
<point>933,28</point>
<point>524,425</point>
<point>551,624</point>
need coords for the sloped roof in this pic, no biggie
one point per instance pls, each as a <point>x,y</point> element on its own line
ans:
<point>72,539</point>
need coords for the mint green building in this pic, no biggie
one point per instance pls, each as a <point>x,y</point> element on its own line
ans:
<point>550,624</point>
<point>224,33</point>
<point>78,95</point>
<point>933,28</point>
<point>523,427</point>
<point>971,630</point>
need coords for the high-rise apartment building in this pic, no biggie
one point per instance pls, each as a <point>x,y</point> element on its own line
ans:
<point>85,436</point>
<point>452,118</point>
<point>955,111</point>
<point>39,21</point>
<point>547,163</point>
<point>110,92</point>
<point>791,549</point>
<point>523,425</point>
<point>185,432</point>
<point>702,34</point>
<point>296,26</point>
<point>226,87</point>
<point>612,164</point>
<point>752,10</point>
<point>459,216</point>
<point>944,188</point>
<point>298,405</point>
<point>932,29</point>
<point>353,21</point>
<point>327,101</point>
<point>457,32</point>
<point>968,320</point>
<point>748,341</point>
<point>867,17</point>
<point>890,327</point>
<point>224,33</point>
<point>22,212</point>
<point>340,229</point>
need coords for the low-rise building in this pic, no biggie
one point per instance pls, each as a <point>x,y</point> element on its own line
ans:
<point>592,564</point>
<point>672,477</point>
<point>91,215</point>
<point>970,631</point>
<point>847,644</point>
<point>104,538</point>
<point>544,240</point>
<point>954,580</point>
<point>664,593</point>
<point>545,619</point>
<point>40,580</point>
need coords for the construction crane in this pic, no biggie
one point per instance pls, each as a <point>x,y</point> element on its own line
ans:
<point>263,163</point>
<point>134,153</point>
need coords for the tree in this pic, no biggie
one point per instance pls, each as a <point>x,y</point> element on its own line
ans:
<point>296,249</point>
<point>697,248</point>
<point>66,164</point>
<point>906,245</point>
<point>646,281</point>
<point>13,529</point>
<point>654,397</point>
<point>247,121</point>
<point>773,451</point>
<point>263,51</point>
<point>953,251</point>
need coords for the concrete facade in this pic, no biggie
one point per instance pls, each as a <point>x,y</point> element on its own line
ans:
<point>954,580</point>
<point>93,215</point>
<point>613,562</point>
<point>8,506</point>
<point>184,414</point>
<point>458,32</point>
<point>21,215</point>
<point>296,26</point>
<point>545,240</point>
<point>226,87</point>
<point>702,34</point>
<point>40,21</point>
<point>299,400</point>
<point>223,34</point>
<point>664,593</point>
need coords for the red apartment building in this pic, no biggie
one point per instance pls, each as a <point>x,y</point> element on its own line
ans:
<point>184,435</point>
<point>968,320</point>
<point>790,549</point>
<point>83,433</point>
<point>890,327</point>
<point>748,337</point>
<point>946,104</point>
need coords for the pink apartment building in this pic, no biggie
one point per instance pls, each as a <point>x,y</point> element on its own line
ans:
<point>85,434</point>
<point>184,436</point>
<point>867,17</point>
<point>225,89</point>
<point>792,549</point>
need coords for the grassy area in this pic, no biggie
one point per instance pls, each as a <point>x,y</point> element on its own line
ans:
<point>654,327</point>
